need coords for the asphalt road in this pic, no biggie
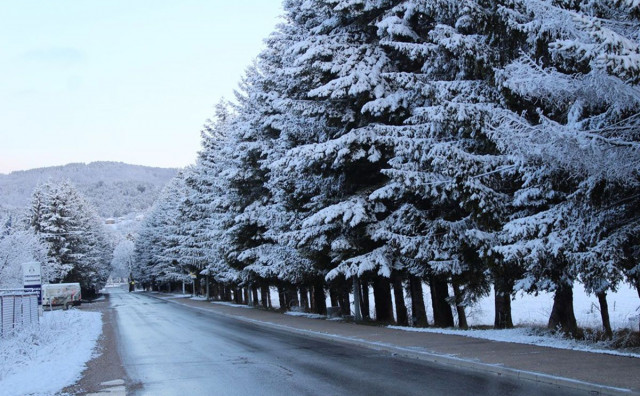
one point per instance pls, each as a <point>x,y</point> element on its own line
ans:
<point>168,349</point>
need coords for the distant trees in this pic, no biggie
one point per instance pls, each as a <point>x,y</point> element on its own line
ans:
<point>464,145</point>
<point>18,246</point>
<point>114,189</point>
<point>122,260</point>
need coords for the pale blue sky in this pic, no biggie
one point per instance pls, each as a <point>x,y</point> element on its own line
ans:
<point>119,80</point>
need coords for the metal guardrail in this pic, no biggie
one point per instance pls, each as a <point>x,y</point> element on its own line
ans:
<point>18,309</point>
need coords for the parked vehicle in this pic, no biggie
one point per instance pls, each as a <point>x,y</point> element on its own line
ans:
<point>65,294</point>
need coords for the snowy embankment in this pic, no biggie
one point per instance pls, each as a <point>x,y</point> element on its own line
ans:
<point>44,359</point>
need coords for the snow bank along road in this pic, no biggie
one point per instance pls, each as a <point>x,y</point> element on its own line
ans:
<point>172,350</point>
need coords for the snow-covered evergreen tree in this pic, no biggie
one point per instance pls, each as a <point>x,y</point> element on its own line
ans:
<point>78,250</point>
<point>573,129</point>
<point>338,66</point>
<point>123,258</point>
<point>207,209</point>
<point>157,257</point>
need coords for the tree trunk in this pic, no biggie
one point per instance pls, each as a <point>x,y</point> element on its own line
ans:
<point>281,298</point>
<point>462,316</point>
<point>502,303</point>
<point>604,314</point>
<point>365,307</point>
<point>291,297</point>
<point>442,315</point>
<point>254,293</point>
<point>418,309</point>
<point>236,295</point>
<point>264,296</point>
<point>319,297</point>
<point>562,314</point>
<point>345,305</point>
<point>304,298</point>
<point>312,299</point>
<point>382,298</point>
<point>357,298</point>
<point>269,305</point>
<point>398,293</point>
<point>227,293</point>
<point>333,297</point>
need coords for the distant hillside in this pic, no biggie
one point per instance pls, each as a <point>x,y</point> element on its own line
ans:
<point>115,188</point>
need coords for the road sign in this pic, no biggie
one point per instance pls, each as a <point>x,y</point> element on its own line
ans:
<point>32,279</point>
<point>31,274</point>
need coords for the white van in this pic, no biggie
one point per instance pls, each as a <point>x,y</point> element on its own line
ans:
<point>65,294</point>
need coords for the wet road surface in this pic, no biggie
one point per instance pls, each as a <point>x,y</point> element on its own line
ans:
<point>168,349</point>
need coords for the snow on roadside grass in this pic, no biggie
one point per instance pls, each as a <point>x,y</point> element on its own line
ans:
<point>44,359</point>
<point>173,295</point>
<point>525,335</point>
<point>232,304</point>
<point>305,314</point>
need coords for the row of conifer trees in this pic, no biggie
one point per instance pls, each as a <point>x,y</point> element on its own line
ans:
<point>474,145</point>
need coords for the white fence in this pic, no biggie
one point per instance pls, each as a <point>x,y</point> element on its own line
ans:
<point>17,309</point>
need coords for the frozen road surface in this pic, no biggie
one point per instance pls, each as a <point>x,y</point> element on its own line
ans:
<point>169,349</point>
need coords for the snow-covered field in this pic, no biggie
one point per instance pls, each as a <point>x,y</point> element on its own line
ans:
<point>624,305</point>
<point>44,359</point>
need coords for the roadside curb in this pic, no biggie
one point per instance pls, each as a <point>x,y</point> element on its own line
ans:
<point>447,360</point>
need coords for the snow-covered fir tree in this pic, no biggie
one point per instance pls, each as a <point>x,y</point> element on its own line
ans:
<point>157,260</point>
<point>573,129</point>
<point>207,209</point>
<point>78,250</point>
<point>123,258</point>
<point>339,64</point>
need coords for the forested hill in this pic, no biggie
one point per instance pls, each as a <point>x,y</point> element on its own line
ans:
<point>114,188</point>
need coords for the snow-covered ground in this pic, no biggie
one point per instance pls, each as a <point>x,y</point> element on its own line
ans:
<point>44,359</point>
<point>526,335</point>
<point>528,309</point>
<point>306,315</point>
<point>231,304</point>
